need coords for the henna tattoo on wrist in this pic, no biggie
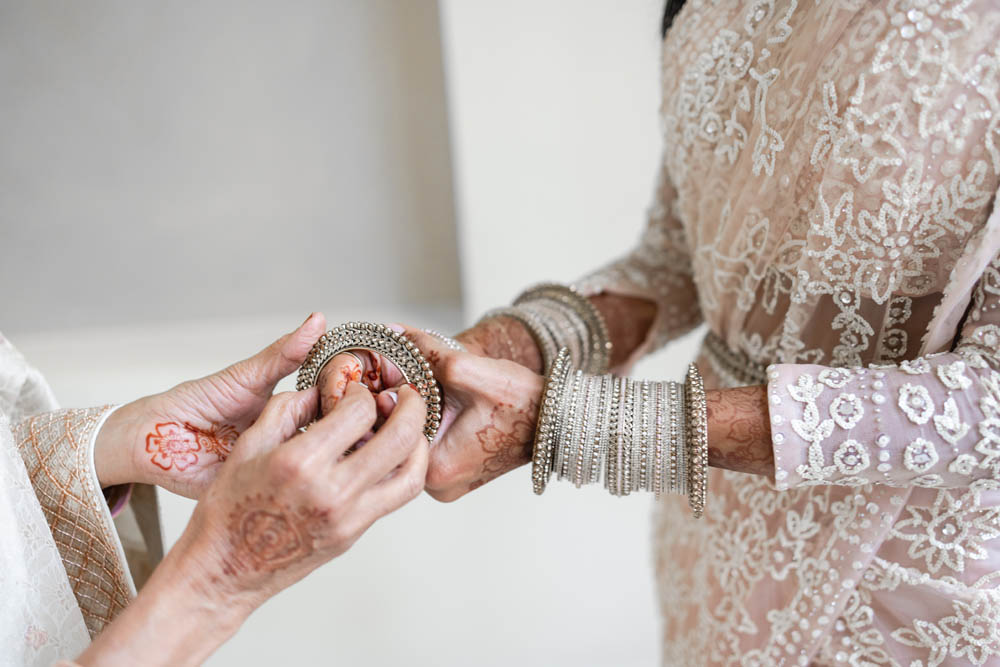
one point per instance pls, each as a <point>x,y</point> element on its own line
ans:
<point>506,440</point>
<point>503,338</point>
<point>266,535</point>
<point>176,446</point>
<point>739,430</point>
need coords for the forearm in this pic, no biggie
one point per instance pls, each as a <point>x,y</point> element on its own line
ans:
<point>739,430</point>
<point>173,621</point>
<point>628,320</point>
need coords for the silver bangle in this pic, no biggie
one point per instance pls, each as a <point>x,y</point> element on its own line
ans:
<point>546,343</point>
<point>382,340</point>
<point>642,435</point>
<point>697,440</point>
<point>599,340</point>
<point>614,439</point>
<point>449,342</point>
<point>552,396</point>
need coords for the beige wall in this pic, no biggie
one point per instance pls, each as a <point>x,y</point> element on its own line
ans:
<point>164,161</point>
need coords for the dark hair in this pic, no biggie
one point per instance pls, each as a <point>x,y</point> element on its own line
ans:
<point>669,12</point>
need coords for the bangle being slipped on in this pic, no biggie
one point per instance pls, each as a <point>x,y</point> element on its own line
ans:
<point>382,340</point>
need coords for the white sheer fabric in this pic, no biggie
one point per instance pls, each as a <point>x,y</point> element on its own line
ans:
<point>40,620</point>
<point>826,202</point>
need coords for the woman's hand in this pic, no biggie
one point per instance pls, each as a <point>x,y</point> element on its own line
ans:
<point>285,503</point>
<point>179,438</point>
<point>489,416</point>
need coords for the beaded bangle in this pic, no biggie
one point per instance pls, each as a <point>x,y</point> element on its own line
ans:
<point>614,439</point>
<point>543,338</point>
<point>382,340</point>
<point>597,336</point>
<point>697,433</point>
<point>643,436</point>
<point>560,327</point>
<point>552,395</point>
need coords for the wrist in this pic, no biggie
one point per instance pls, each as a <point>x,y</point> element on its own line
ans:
<point>504,338</point>
<point>180,617</point>
<point>114,458</point>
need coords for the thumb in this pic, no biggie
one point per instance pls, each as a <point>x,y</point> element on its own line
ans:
<point>282,417</point>
<point>261,372</point>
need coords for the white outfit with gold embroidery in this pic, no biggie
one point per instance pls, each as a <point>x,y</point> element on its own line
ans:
<point>65,573</point>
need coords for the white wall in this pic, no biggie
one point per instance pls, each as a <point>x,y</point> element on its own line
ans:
<point>553,109</point>
<point>165,160</point>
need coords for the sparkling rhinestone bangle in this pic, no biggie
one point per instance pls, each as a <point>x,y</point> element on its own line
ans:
<point>696,412</point>
<point>642,435</point>
<point>545,341</point>
<point>382,340</point>
<point>597,356</point>
<point>545,431</point>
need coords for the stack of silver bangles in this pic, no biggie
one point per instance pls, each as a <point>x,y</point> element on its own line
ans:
<point>558,316</point>
<point>382,340</point>
<point>640,435</point>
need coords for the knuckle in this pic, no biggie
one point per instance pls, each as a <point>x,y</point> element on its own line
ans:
<point>415,481</point>
<point>358,408</point>
<point>444,495</point>
<point>442,474</point>
<point>452,368</point>
<point>286,468</point>
<point>335,503</point>
<point>412,486</point>
<point>341,535</point>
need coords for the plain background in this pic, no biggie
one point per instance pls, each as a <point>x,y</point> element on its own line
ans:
<point>180,183</point>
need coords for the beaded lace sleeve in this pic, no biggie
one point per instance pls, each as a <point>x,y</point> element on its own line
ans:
<point>931,421</point>
<point>657,269</point>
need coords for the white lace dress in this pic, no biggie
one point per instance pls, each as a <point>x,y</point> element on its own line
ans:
<point>826,205</point>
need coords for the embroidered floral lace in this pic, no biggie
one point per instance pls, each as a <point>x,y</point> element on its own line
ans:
<point>825,205</point>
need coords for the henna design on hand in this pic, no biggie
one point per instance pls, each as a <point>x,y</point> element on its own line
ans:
<point>217,439</point>
<point>266,535</point>
<point>506,440</point>
<point>739,430</point>
<point>373,378</point>
<point>175,446</point>
<point>348,374</point>
<point>503,338</point>
<point>172,446</point>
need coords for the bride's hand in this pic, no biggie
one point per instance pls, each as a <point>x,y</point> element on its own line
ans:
<point>179,438</point>
<point>488,421</point>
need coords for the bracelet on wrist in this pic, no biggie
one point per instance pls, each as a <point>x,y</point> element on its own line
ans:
<point>557,316</point>
<point>637,435</point>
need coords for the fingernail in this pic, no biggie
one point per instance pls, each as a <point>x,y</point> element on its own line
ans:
<point>394,396</point>
<point>398,328</point>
